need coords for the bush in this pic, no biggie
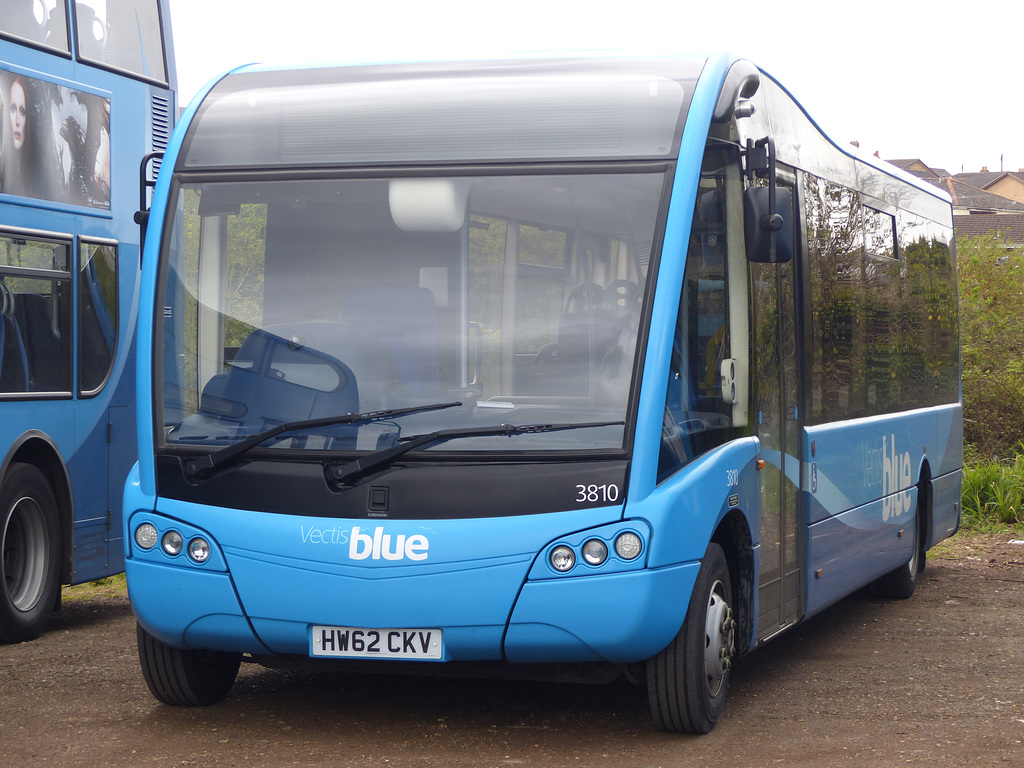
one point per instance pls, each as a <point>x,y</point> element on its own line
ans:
<point>991,283</point>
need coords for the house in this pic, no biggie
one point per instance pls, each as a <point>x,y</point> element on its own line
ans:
<point>1009,226</point>
<point>1008,184</point>
<point>919,169</point>
<point>983,203</point>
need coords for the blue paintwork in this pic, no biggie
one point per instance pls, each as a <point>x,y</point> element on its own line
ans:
<point>74,429</point>
<point>856,462</point>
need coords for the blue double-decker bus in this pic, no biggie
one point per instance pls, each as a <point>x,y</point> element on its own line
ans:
<point>86,93</point>
<point>568,368</point>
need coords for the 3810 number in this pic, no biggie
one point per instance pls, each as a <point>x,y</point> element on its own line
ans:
<point>593,493</point>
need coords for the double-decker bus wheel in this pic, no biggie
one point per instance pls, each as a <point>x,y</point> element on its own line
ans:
<point>29,540</point>
<point>687,682</point>
<point>186,678</point>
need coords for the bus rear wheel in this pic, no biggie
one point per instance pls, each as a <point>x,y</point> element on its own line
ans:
<point>30,547</point>
<point>687,682</point>
<point>901,583</point>
<point>185,678</point>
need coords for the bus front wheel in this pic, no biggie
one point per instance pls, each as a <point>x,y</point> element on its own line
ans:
<point>30,547</point>
<point>185,678</point>
<point>687,682</point>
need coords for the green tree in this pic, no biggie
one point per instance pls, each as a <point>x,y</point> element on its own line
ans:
<point>991,280</point>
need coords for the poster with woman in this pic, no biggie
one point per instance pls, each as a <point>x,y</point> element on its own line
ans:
<point>54,142</point>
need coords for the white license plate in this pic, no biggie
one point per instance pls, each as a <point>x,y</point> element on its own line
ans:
<point>362,643</point>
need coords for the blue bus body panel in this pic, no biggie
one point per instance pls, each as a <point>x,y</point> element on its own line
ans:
<point>946,494</point>
<point>623,617</point>
<point>861,485</point>
<point>856,462</point>
<point>854,548</point>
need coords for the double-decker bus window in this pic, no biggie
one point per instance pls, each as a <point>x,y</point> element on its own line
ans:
<point>121,35</point>
<point>39,22</point>
<point>97,314</point>
<point>36,295</point>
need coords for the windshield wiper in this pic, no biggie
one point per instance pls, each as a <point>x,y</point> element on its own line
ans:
<point>346,472</point>
<point>204,466</point>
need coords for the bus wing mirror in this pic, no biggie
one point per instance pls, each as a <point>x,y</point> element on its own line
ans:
<point>767,227</point>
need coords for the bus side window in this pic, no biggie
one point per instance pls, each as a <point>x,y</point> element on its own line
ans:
<point>706,395</point>
<point>97,314</point>
<point>121,35</point>
<point>43,22</point>
<point>36,316</point>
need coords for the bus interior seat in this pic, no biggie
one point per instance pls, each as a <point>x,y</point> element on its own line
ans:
<point>588,329</point>
<point>403,322</point>
<point>97,333</point>
<point>621,295</point>
<point>279,376</point>
<point>20,20</point>
<point>13,358</point>
<point>90,45</point>
<point>45,353</point>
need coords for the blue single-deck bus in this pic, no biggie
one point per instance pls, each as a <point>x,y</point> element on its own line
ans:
<point>86,92</point>
<point>577,367</point>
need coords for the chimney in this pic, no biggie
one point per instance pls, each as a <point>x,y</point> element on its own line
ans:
<point>984,169</point>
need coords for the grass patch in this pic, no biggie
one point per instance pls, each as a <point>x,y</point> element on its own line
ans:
<point>992,500</point>
<point>112,586</point>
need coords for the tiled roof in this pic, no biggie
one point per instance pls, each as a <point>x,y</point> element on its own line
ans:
<point>987,178</point>
<point>930,173</point>
<point>1009,225</point>
<point>968,196</point>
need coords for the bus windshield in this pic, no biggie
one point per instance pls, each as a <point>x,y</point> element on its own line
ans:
<point>519,297</point>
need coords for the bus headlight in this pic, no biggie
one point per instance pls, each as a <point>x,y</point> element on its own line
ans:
<point>172,543</point>
<point>562,558</point>
<point>146,536</point>
<point>628,546</point>
<point>199,550</point>
<point>595,552</point>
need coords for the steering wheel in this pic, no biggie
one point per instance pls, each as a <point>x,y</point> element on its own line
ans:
<point>584,297</point>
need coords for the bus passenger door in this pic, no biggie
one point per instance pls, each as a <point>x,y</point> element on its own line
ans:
<point>778,429</point>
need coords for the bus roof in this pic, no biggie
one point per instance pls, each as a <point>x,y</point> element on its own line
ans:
<point>530,109</point>
<point>526,110</point>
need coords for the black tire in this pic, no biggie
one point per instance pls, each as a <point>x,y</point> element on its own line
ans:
<point>900,583</point>
<point>185,678</point>
<point>30,547</point>
<point>688,681</point>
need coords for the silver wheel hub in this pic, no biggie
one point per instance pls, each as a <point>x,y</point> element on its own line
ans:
<point>24,550</point>
<point>719,639</point>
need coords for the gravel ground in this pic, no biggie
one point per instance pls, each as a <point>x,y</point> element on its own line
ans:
<point>936,680</point>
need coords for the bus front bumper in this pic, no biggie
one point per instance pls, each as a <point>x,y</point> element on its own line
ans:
<point>500,605</point>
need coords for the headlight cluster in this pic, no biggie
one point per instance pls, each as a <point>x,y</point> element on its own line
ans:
<point>172,543</point>
<point>594,552</point>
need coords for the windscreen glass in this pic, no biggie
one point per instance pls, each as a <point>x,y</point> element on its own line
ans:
<point>510,299</point>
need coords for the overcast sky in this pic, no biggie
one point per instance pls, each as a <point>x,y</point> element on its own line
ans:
<point>934,81</point>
